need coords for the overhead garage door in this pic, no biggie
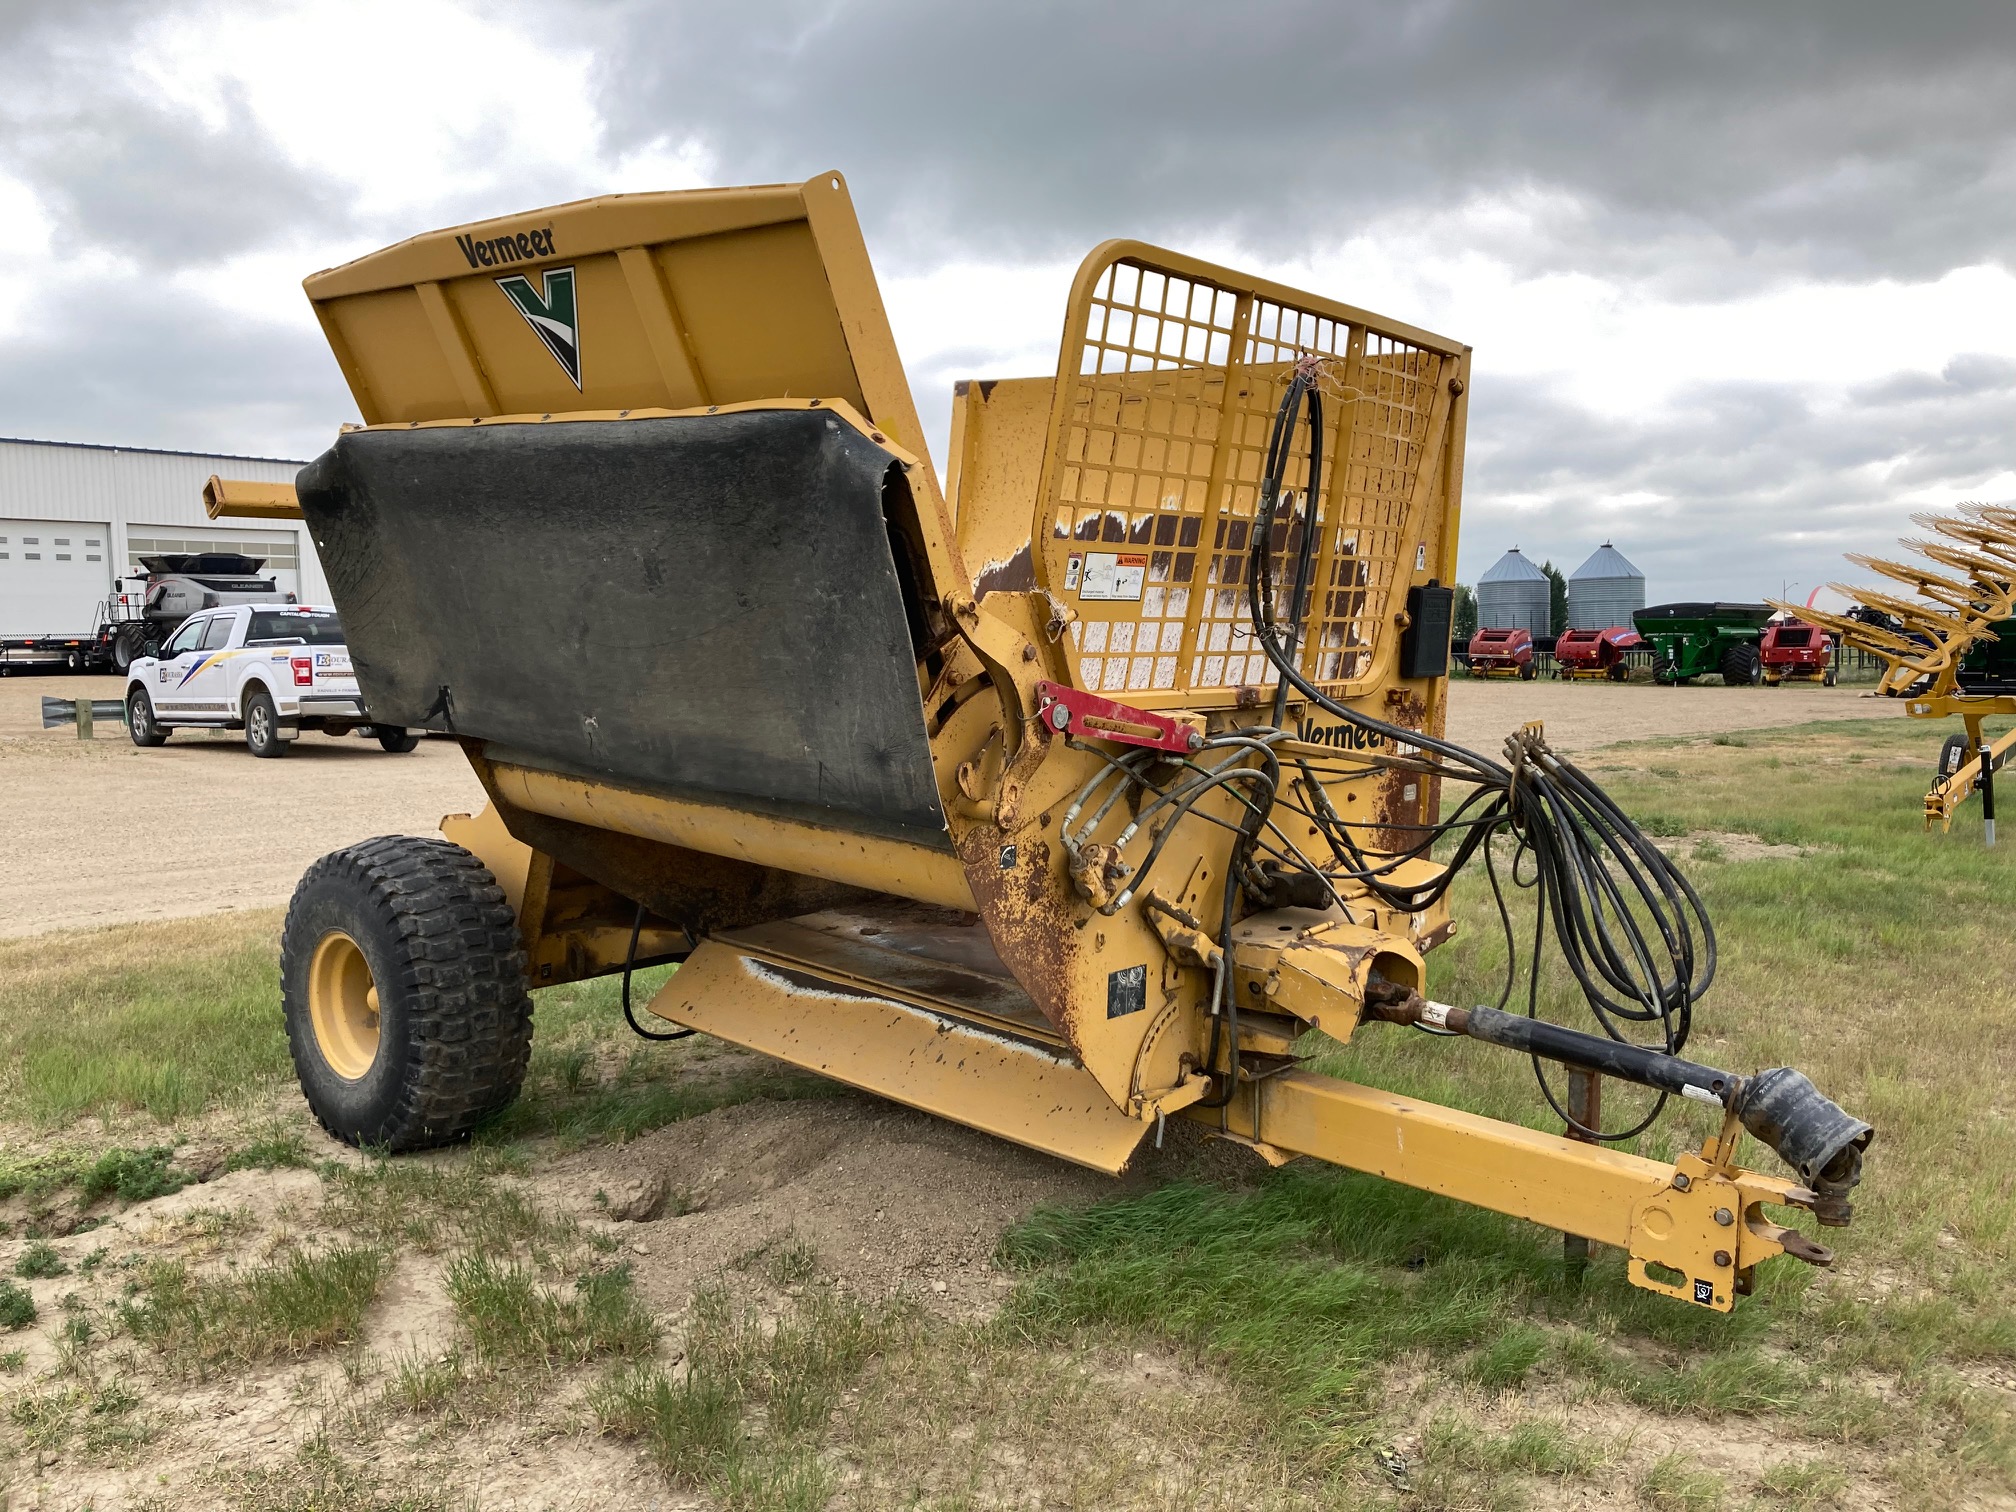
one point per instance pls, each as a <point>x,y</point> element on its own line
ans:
<point>279,549</point>
<point>53,575</point>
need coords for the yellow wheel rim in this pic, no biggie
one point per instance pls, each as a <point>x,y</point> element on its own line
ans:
<point>343,1006</point>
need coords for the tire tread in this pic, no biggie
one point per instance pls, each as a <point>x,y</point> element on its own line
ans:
<point>462,974</point>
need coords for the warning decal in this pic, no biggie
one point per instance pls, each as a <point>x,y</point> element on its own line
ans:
<point>1114,575</point>
<point>1126,991</point>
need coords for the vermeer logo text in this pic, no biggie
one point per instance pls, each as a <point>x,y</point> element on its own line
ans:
<point>496,251</point>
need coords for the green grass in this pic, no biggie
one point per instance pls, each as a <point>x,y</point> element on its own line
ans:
<point>165,1019</point>
<point>1335,1275</point>
<point>455,1202</point>
<point>100,1418</point>
<point>200,1325</point>
<point>17,1307</point>
<point>1804,1485</point>
<point>127,1174</point>
<point>318,1478</point>
<point>178,1019</point>
<point>1467,1467</point>
<point>280,1150</point>
<point>745,1420</point>
<point>511,1317</point>
<point>39,1261</point>
<point>1674,1483</point>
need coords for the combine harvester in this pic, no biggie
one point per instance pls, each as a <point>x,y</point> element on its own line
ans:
<point>1060,807</point>
<point>1942,651</point>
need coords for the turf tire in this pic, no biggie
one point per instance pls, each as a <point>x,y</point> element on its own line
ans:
<point>454,1016</point>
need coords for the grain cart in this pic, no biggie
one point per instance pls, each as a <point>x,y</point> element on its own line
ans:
<point>1502,653</point>
<point>1595,654</point>
<point>1944,652</point>
<point>1694,640</point>
<point>1061,806</point>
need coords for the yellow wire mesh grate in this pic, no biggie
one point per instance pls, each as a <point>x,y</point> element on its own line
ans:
<point>1156,474</point>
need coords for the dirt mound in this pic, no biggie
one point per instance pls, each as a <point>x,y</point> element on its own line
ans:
<point>890,1200</point>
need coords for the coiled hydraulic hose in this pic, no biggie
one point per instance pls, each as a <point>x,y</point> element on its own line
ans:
<point>1630,927</point>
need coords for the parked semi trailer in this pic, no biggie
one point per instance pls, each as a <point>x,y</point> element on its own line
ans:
<point>138,619</point>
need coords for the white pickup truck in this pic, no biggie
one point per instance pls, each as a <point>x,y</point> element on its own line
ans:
<point>270,670</point>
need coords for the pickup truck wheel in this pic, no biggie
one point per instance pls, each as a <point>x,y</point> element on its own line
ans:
<point>140,721</point>
<point>262,725</point>
<point>397,741</point>
<point>404,991</point>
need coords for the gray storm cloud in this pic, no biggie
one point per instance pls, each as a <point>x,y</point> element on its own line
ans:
<point>1701,146</point>
<point>1693,153</point>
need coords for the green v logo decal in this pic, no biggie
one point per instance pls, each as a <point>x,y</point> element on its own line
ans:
<point>552,315</point>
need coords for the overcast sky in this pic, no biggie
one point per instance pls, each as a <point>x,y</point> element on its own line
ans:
<point>1738,276</point>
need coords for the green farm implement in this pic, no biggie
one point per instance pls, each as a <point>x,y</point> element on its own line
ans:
<point>1696,640</point>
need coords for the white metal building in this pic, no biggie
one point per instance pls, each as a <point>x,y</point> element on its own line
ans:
<point>74,517</point>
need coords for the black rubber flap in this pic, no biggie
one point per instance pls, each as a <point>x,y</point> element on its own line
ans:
<point>703,605</point>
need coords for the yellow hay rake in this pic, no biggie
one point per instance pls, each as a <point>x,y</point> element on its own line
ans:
<point>1924,641</point>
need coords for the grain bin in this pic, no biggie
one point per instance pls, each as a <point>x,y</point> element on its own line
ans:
<point>1606,590</point>
<point>1513,596</point>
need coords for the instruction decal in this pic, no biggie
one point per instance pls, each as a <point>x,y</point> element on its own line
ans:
<point>1074,565</point>
<point>552,314</point>
<point>1126,991</point>
<point>1704,1293</point>
<point>1113,575</point>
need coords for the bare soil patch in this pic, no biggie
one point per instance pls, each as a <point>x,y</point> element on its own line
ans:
<point>102,832</point>
<point>1581,716</point>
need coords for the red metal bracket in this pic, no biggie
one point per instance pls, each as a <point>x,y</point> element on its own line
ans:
<point>1070,712</point>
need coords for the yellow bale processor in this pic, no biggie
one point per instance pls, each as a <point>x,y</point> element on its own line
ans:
<point>1943,650</point>
<point>1060,803</point>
